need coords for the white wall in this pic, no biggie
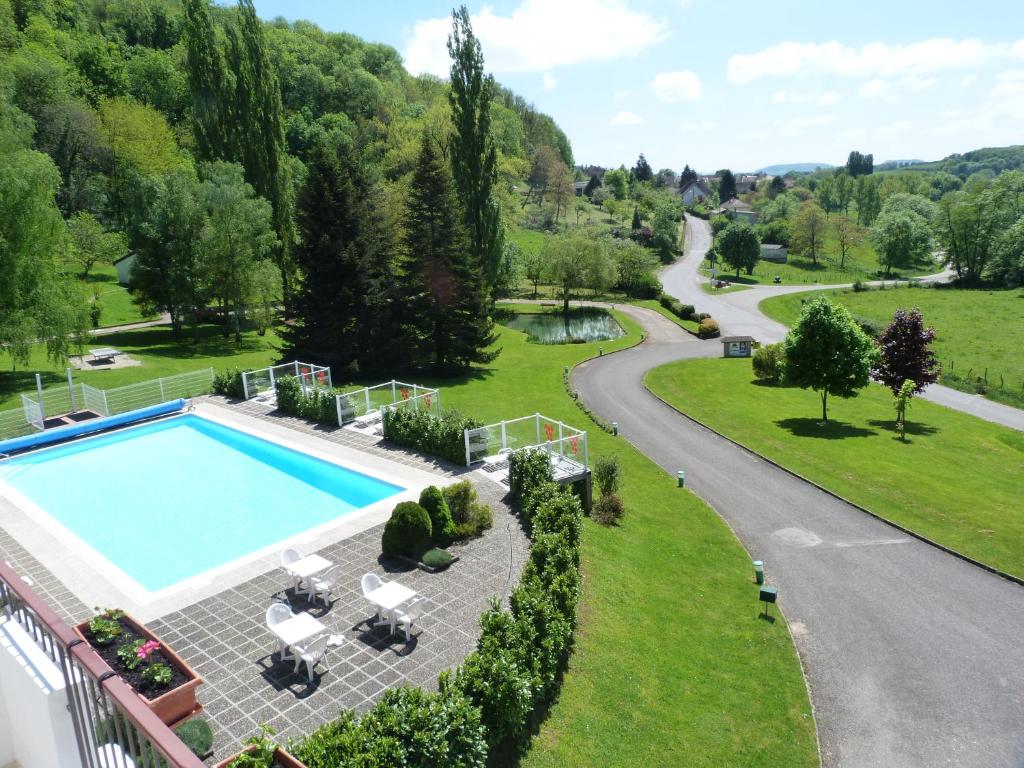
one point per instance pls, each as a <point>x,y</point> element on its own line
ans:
<point>33,704</point>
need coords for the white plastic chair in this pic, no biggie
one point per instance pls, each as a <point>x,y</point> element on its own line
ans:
<point>408,615</point>
<point>370,582</point>
<point>290,555</point>
<point>323,584</point>
<point>312,654</point>
<point>277,613</point>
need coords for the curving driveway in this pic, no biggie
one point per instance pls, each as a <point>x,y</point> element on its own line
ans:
<point>913,657</point>
<point>739,314</point>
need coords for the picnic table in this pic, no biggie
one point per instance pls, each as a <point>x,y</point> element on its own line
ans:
<point>298,628</point>
<point>389,596</point>
<point>307,566</point>
<point>105,353</point>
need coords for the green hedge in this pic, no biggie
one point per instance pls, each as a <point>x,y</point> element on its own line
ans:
<point>229,383</point>
<point>314,405</point>
<point>407,532</point>
<point>437,435</point>
<point>432,500</point>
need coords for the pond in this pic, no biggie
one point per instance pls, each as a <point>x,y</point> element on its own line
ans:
<point>574,328</point>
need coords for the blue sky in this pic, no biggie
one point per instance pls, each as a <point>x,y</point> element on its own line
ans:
<point>741,84</point>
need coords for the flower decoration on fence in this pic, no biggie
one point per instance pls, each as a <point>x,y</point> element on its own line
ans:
<point>321,376</point>
<point>574,443</point>
<point>549,430</point>
<point>428,399</point>
<point>405,393</point>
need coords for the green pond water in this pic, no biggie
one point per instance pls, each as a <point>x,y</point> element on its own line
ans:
<point>561,329</point>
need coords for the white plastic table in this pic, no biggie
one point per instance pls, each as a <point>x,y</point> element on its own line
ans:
<point>307,566</point>
<point>299,627</point>
<point>389,596</point>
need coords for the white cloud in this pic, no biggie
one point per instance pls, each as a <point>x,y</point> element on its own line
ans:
<point>701,126</point>
<point>532,38</point>
<point>621,94</point>
<point>824,98</point>
<point>901,126</point>
<point>967,80</point>
<point>549,82</point>
<point>844,137</point>
<point>876,89</point>
<point>1010,85</point>
<point>674,87</point>
<point>870,61</point>
<point>757,133</point>
<point>626,118</point>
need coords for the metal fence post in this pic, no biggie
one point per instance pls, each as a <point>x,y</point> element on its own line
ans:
<point>160,381</point>
<point>394,394</point>
<point>106,405</point>
<point>504,437</point>
<point>71,392</point>
<point>465,436</point>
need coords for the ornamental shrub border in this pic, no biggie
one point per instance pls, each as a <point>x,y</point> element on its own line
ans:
<point>423,431</point>
<point>496,698</point>
<point>313,404</point>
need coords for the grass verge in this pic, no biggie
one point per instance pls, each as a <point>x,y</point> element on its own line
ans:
<point>956,479</point>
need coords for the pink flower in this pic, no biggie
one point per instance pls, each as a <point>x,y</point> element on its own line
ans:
<point>147,648</point>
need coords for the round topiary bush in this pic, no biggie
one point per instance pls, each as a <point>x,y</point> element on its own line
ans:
<point>407,532</point>
<point>437,558</point>
<point>441,522</point>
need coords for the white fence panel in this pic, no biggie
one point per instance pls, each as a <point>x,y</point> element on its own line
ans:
<point>13,424</point>
<point>95,400</point>
<point>33,412</point>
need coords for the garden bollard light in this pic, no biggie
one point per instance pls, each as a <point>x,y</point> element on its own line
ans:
<point>615,428</point>
<point>681,477</point>
<point>600,351</point>
<point>759,571</point>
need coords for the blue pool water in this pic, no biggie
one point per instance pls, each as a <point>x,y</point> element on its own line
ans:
<point>172,499</point>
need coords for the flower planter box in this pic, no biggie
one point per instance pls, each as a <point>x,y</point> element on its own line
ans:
<point>174,705</point>
<point>281,759</point>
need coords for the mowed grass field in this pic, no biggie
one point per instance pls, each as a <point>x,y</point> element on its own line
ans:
<point>114,299</point>
<point>643,687</point>
<point>979,333</point>
<point>957,479</point>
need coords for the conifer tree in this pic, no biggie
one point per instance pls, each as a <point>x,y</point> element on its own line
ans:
<point>473,153</point>
<point>444,303</point>
<point>342,253</point>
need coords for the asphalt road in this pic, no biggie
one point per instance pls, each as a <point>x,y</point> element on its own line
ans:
<point>738,314</point>
<point>913,657</point>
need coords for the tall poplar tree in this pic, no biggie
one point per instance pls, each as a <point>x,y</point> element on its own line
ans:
<point>444,303</point>
<point>209,82</point>
<point>473,154</point>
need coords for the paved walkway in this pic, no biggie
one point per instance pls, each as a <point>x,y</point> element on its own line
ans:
<point>739,314</point>
<point>914,657</point>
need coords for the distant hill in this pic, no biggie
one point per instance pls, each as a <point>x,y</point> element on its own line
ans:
<point>995,159</point>
<point>892,165</point>
<point>783,168</point>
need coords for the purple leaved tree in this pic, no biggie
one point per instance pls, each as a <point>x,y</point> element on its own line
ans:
<point>906,353</point>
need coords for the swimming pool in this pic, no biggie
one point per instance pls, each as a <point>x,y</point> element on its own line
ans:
<point>170,500</point>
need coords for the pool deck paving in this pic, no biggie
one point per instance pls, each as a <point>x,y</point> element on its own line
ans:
<point>223,636</point>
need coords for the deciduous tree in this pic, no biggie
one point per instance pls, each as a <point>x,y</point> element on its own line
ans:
<point>906,354</point>
<point>826,351</point>
<point>90,244</point>
<point>739,247</point>
<point>848,236</point>
<point>807,230</point>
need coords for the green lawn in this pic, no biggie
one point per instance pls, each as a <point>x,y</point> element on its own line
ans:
<point>860,264</point>
<point>979,333</point>
<point>649,684</point>
<point>957,479</point>
<point>159,353</point>
<point>117,304</point>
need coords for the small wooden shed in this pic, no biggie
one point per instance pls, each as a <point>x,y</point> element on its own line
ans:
<point>737,346</point>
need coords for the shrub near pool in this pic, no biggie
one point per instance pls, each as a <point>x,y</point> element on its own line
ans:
<point>407,532</point>
<point>437,435</point>
<point>432,500</point>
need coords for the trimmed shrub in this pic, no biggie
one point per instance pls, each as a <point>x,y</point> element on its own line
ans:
<point>289,391</point>
<point>197,735</point>
<point>608,510</point>
<point>685,311</point>
<point>408,726</point>
<point>526,471</point>
<point>437,558</point>
<point>666,301</point>
<point>471,517</point>
<point>313,405</point>
<point>558,511</point>
<point>432,500</point>
<point>407,532</point>
<point>647,287</point>
<point>767,362</point>
<point>437,435</point>
<point>229,383</point>
<point>708,328</point>
<point>607,473</point>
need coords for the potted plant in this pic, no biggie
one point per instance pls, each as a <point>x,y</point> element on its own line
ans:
<point>161,678</point>
<point>261,752</point>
